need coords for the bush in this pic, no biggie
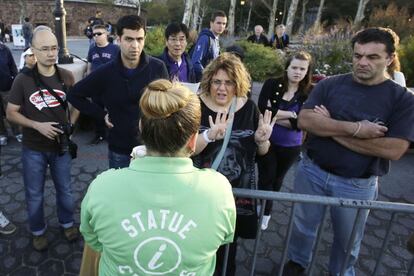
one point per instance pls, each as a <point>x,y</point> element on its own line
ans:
<point>406,54</point>
<point>262,62</point>
<point>155,41</point>
<point>399,20</point>
<point>331,52</point>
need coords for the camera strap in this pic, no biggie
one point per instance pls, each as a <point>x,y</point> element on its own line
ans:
<point>39,83</point>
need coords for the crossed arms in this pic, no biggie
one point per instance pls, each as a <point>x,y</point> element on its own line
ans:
<point>363,137</point>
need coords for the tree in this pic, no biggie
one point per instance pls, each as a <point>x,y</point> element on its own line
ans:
<point>272,17</point>
<point>187,12</point>
<point>230,18</point>
<point>360,12</point>
<point>291,16</point>
<point>195,19</point>
<point>317,22</point>
<point>249,16</point>
<point>302,17</point>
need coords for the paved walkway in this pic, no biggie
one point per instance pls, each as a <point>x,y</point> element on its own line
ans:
<point>18,258</point>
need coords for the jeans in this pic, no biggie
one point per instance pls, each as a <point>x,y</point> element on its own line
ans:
<point>35,164</point>
<point>310,179</point>
<point>118,160</point>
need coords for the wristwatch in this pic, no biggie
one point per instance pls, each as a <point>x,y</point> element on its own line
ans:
<point>294,115</point>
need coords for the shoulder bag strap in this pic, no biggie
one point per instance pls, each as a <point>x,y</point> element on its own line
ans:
<point>220,155</point>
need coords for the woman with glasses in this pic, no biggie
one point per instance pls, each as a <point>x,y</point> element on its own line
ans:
<point>226,82</point>
<point>161,215</point>
<point>283,96</point>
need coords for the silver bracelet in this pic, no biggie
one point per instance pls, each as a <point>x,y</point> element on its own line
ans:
<point>357,130</point>
<point>205,136</point>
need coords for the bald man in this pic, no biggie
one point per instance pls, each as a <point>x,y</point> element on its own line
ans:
<point>38,103</point>
<point>258,36</point>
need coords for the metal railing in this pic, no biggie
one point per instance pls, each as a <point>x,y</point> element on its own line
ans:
<point>263,196</point>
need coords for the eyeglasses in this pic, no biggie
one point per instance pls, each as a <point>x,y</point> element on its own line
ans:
<point>227,83</point>
<point>182,40</point>
<point>97,34</point>
<point>47,49</point>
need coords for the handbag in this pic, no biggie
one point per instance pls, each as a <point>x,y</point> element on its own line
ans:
<point>247,219</point>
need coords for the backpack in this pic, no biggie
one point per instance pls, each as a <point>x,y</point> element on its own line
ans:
<point>191,50</point>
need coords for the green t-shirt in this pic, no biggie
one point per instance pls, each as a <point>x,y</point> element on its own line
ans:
<point>160,216</point>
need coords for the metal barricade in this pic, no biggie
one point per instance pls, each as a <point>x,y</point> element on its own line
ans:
<point>263,196</point>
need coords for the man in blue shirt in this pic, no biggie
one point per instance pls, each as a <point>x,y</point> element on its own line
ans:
<point>178,62</point>
<point>356,123</point>
<point>100,53</point>
<point>207,46</point>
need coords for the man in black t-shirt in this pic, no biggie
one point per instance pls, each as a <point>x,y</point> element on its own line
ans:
<point>35,103</point>
<point>356,123</point>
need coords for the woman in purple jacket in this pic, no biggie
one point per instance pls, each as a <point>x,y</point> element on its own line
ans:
<point>283,96</point>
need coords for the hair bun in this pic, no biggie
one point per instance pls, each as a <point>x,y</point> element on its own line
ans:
<point>162,98</point>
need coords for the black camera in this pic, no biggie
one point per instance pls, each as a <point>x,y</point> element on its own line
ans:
<point>63,138</point>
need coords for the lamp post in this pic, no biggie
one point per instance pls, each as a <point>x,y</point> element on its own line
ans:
<point>241,13</point>
<point>60,28</point>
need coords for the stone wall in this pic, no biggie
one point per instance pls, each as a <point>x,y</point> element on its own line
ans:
<point>41,13</point>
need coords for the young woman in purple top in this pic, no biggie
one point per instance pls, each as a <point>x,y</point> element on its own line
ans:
<point>283,96</point>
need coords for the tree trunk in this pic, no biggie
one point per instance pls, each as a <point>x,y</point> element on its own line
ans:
<point>138,7</point>
<point>272,17</point>
<point>23,10</point>
<point>248,17</point>
<point>291,16</point>
<point>319,15</point>
<point>187,12</point>
<point>230,21</point>
<point>360,12</point>
<point>283,21</point>
<point>195,18</point>
<point>203,13</point>
<point>302,17</point>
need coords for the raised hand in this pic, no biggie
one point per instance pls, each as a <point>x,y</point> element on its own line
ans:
<point>218,126</point>
<point>265,127</point>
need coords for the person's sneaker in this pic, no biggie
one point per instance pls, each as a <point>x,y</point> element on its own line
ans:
<point>3,140</point>
<point>71,233</point>
<point>6,227</point>
<point>40,243</point>
<point>96,140</point>
<point>265,222</point>
<point>292,268</point>
<point>410,244</point>
<point>19,137</point>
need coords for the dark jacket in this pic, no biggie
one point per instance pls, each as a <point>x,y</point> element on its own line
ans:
<point>190,69</point>
<point>262,39</point>
<point>280,42</point>
<point>203,51</point>
<point>8,68</point>
<point>120,96</point>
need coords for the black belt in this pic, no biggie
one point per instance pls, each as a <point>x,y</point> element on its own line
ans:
<point>331,171</point>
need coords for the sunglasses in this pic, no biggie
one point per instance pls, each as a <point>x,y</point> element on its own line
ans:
<point>97,34</point>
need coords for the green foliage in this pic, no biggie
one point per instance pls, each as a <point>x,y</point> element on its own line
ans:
<point>398,19</point>
<point>261,62</point>
<point>155,41</point>
<point>331,52</point>
<point>406,55</point>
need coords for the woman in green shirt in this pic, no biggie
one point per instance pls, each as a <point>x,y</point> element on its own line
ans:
<point>161,215</point>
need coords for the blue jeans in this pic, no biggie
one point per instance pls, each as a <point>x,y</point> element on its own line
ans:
<point>312,180</point>
<point>117,160</point>
<point>35,164</point>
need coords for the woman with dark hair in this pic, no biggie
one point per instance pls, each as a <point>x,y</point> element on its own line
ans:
<point>161,215</point>
<point>284,97</point>
<point>394,69</point>
<point>224,87</point>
